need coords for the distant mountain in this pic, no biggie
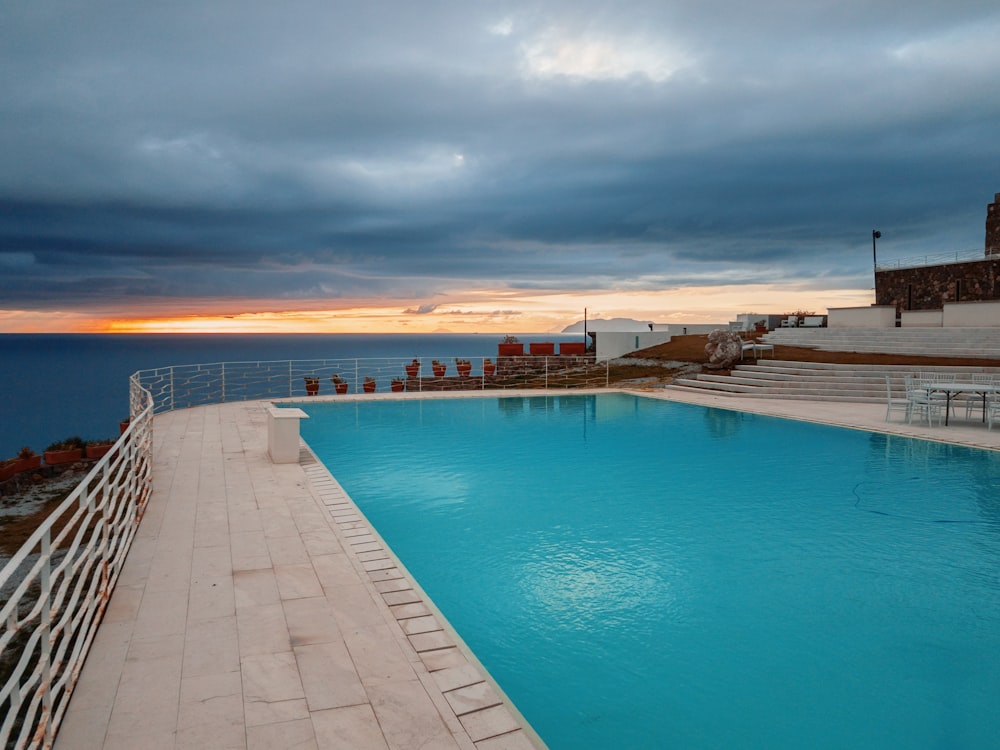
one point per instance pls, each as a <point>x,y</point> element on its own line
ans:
<point>614,324</point>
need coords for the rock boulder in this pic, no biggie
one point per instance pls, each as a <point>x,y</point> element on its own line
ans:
<point>724,349</point>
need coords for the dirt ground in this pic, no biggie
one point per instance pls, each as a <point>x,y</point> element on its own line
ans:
<point>692,349</point>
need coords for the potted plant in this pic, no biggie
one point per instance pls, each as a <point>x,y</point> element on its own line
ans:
<point>413,369</point>
<point>312,386</point>
<point>8,468</point>
<point>25,460</point>
<point>464,367</point>
<point>489,368</point>
<point>509,346</point>
<point>98,448</point>
<point>369,385</point>
<point>438,369</point>
<point>64,451</point>
<point>339,384</point>
<point>542,348</point>
<point>396,385</point>
<point>123,425</point>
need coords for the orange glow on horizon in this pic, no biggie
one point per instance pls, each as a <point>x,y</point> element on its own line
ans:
<point>479,311</point>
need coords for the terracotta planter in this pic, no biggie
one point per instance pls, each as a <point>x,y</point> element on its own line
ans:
<point>573,348</point>
<point>98,451</point>
<point>369,387</point>
<point>412,370</point>
<point>489,369</point>
<point>439,370</point>
<point>123,425</point>
<point>396,386</point>
<point>341,388</point>
<point>510,350</point>
<point>312,389</point>
<point>9,470</point>
<point>53,458</point>
<point>542,349</point>
<point>464,369</point>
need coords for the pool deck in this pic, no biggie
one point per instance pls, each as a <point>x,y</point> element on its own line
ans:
<point>257,608</point>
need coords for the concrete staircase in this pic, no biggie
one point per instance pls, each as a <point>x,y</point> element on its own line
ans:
<point>815,381</point>
<point>981,343</point>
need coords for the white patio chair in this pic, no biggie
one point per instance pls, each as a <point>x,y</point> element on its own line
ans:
<point>895,403</point>
<point>920,402</point>
<point>974,401</point>
<point>992,411</point>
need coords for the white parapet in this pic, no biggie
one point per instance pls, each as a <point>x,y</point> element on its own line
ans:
<point>283,434</point>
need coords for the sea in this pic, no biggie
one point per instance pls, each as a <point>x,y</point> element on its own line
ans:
<point>54,386</point>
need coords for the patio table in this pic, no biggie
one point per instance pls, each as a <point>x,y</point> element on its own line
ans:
<point>950,389</point>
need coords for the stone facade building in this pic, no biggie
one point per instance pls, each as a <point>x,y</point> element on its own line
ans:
<point>930,287</point>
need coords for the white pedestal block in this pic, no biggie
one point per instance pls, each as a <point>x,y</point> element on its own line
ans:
<point>283,434</point>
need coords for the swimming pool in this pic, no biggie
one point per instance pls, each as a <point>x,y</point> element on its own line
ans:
<point>638,573</point>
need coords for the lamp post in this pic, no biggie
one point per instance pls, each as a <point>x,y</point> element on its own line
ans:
<point>875,235</point>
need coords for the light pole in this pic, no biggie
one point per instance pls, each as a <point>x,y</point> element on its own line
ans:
<point>875,235</point>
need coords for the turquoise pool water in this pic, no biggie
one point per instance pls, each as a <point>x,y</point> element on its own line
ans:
<point>636,573</point>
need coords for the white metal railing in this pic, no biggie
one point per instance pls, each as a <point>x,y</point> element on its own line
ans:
<point>182,386</point>
<point>935,259</point>
<point>61,579</point>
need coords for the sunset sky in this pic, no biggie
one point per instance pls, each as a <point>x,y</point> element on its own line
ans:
<point>481,167</point>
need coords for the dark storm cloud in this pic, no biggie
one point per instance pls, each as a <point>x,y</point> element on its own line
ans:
<point>323,150</point>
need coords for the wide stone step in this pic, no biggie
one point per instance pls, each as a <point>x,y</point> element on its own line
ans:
<point>685,385</point>
<point>818,380</point>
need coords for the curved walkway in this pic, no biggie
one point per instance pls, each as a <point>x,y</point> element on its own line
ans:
<point>257,609</point>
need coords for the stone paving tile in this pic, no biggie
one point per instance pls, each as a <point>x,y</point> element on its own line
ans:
<point>334,570</point>
<point>297,581</point>
<point>262,630</point>
<point>328,676</point>
<point>147,698</point>
<point>285,735</point>
<point>249,550</point>
<point>489,722</point>
<point>394,584</point>
<point>431,641</point>
<point>377,655</point>
<point>211,647</point>
<point>408,717</point>
<point>162,613</point>
<point>377,554</point>
<point>286,550</point>
<point>211,712</point>
<point>416,625</point>
<point>451,678</point>
<point>474,697</point>
<point>411,608</point>
<point>516,740</point>
<point>255,587</point>
<point>380,564</point>
<point>443,658</point>
<point>272,689</point>
<point>311,620</point>
<point>348,727</point>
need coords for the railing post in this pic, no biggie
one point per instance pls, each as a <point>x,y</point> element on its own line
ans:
<point>45,637</point>
<point>223,382</point>
<point>607,373</point>
<point>546,371</point>
<point>289,378</point>
<point>171,388</point>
